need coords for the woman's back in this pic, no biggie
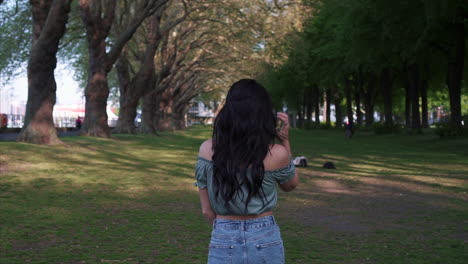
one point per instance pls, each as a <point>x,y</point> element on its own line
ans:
<point>237,174</point>
<point>276,158</point>
<point>278,170</point>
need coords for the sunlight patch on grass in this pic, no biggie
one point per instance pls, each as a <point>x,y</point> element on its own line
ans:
<point>132,198</point>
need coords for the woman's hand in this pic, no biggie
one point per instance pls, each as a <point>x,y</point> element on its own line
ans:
<point>210,216</point>
<point>283,131</point>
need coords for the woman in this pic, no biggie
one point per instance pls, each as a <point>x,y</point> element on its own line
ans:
<point>237,172</point>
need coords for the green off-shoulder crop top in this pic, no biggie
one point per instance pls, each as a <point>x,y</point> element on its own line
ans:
<point>204,177</point>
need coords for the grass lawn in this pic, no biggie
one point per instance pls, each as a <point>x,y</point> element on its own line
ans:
<point>131,199</point>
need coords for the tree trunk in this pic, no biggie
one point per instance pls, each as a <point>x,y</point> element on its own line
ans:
<point>128,103</point>
<point>369,99</point>
<point>96,94</point>
<point>455,76</point>
<point>317,106</point>
<point>359,87</point>
<point>165,116</point>
<point>148,110</point>
<point>292,118</point>
<point>98,21</point>
<point>349,101</point>
<point>180,121</point>
<point>300,113</point>
<point>328,99</point>
<point>414,82</point>
<point>309,100</point>
<point>407,98</point>
<point>49,23</point>
<point>144,80</point>
<point>338,110</point>
<point>424,111</point>
<point>386,84</point>
<point>164,120</point>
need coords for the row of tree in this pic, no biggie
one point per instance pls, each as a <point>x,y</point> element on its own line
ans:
<point>160,54</point>
<point>368,54</point>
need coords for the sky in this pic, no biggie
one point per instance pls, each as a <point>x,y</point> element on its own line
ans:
<point>68,91</point>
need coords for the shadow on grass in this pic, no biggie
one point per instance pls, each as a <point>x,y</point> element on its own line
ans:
<point>131,200</point>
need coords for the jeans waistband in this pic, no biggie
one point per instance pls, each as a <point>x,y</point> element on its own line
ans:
<point>244,224</point>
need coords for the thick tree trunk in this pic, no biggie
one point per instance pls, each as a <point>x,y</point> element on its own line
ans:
<point>369,99</point>
<point>164,115</point>
<point>424,111</point>
<point>358,92</point>
<point>455,76</point>
<point>328,100</point>
<point>300,113</point>
<point>317,106</point>
<point>148,110</point>
<point>414,82</point>
<point>144,80</point>
<point>49,23</point>
<point>180,121</point>
<point>407,98</point>
<point>309,106</point>
<point>386,85</point>
<point>338,109</point>
<point>98,21</point>
<point>349,101</point>
<point>128,102</point>
<point>96,94</point>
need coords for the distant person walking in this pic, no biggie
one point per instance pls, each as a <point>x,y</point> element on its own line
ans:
<point>237,172</point>
<point>78,122</point>
<point>349,130</point>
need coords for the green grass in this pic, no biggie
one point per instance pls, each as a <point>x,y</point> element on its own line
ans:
<point>131,199</point>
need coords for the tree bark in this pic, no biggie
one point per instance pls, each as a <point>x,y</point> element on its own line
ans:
<point>349,101</point>
<point>328,100</point>
<point>309,104</point>
<point>407,97</point>
<point>369,99</point>
<point>49,22</point>
<point>148,110</point>
<point>164,115</point>
<point>300,112</point>
<point>98,22</point>
<point>128,104</point>
<point>414,83</point>
<point>386,82</point>
<point>455,76</point>
<point>317,105</point>
<point>424,111</point>
<point>144,80</point>
<point>338,109</point>
<point>180,122</point>
<point>358,92</point>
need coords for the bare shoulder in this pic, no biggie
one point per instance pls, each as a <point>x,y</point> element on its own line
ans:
<point>277,158</point>
<point>206,149</point>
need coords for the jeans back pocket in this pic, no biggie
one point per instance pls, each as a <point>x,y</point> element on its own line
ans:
<point>271,252</point>
<point>220,254</point>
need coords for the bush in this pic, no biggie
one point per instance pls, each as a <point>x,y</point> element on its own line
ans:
<point>444,129</point>
<point>325,125</point>
<point>380,128</point>
<point>312,125</point>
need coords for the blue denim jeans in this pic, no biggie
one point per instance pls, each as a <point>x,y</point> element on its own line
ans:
<point>246,242</point>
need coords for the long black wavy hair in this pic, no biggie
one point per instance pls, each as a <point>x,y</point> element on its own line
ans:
<point>243,131</point>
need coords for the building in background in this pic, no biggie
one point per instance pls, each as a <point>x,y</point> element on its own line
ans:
<point>199,113</point>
